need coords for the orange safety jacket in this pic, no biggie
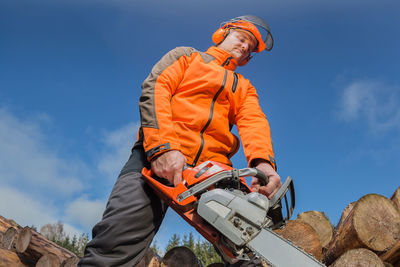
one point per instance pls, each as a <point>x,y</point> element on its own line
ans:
<point>191,100</point>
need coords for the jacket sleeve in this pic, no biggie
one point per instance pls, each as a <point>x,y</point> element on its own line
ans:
<point>254,129</point>
<point>157,129</point>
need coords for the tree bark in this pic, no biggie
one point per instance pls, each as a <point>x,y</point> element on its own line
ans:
<point>303,236</point>
<point>320,223</point>
<point>358,257</point>
<point>48,260</point>
<point>393,254</point>
<point>70,262</point>
<point>5,224</point>
<point>373,223</point>
<point>8,238</point>
<point>9,258</point>
<point>33,245</point>
<point>345,213</point>
<point>396,198</point>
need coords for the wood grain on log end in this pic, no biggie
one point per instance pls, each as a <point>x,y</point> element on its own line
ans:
<point>373,223</point>
<point>377,222</point>
<point>8,238</point>
<point>48,260</point>
<point>24,239</point>
<point>303,236</point>
<point>321,224</point>
<point>360,257</point>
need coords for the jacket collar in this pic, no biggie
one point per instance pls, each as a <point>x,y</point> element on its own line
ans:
<point>222,58</point>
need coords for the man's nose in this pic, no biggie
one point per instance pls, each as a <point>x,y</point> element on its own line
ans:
<point>245,47</point>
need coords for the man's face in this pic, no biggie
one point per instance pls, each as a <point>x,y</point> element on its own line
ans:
<point>239,44</point>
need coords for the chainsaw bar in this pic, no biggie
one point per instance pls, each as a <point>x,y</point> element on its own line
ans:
<point>280,252</point>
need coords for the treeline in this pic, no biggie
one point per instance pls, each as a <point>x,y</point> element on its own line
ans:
<point>55,232</point>
<point>203,249</point>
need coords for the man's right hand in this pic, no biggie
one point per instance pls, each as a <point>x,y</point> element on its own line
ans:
<point>169,165</point>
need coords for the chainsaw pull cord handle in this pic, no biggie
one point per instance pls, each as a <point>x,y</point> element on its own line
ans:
<point>262,177</point>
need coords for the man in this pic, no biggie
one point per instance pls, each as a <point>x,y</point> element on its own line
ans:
<point>189,103</point>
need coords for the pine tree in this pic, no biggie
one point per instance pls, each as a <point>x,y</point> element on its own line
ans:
<point>198,250</point>
<point>55,232</point>
<point>185,241</point>
<point>155,248</point>
<point>203,249</point>
<point>191,242</point>
<point>174,241</point>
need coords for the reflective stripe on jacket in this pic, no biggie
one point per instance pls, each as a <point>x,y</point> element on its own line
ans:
<point>191,100</point>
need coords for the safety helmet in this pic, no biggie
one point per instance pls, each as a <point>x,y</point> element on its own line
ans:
<point>248,23</point>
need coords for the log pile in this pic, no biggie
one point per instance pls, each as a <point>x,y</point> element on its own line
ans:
<point>24,247</point>
<point>368,234</point>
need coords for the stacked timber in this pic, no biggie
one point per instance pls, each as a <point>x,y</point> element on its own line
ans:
<point>368,234</point>
<point>22,246</point>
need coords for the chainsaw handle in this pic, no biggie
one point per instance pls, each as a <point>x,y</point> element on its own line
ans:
<point>262,177</point>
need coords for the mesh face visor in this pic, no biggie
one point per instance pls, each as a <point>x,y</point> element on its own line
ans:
<point>257,21</point>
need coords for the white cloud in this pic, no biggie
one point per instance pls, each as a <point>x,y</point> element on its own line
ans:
<point>118,145</point>
<point>24,209</point>
<point>28,161</point>
<point>85,212</point>
<point>37,184</point>
<point>375,102</point>
<point>28,211</point>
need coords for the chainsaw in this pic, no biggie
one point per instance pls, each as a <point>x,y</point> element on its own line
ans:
<point>215,199</point>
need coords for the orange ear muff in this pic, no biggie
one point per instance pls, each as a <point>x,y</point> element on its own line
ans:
<point>220,35</point>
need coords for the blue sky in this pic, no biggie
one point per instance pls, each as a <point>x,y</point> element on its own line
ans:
<point>70,76</point>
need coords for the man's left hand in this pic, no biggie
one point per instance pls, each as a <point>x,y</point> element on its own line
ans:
<point>274,182</point>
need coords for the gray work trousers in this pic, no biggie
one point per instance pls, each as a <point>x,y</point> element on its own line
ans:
<point>132,218</point>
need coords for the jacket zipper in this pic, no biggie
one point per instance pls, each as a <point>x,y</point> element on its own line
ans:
<point>226,62</point>
<point>235,81</point>
<point>209,120</point>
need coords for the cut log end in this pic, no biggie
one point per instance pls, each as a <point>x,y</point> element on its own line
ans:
<point>303,236</point>
<point>357,258</point>
<point>321,224</point>
<point>377,222</point>
<point>8,238</point>
<point>48,260</point>
<point>24,239</point>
